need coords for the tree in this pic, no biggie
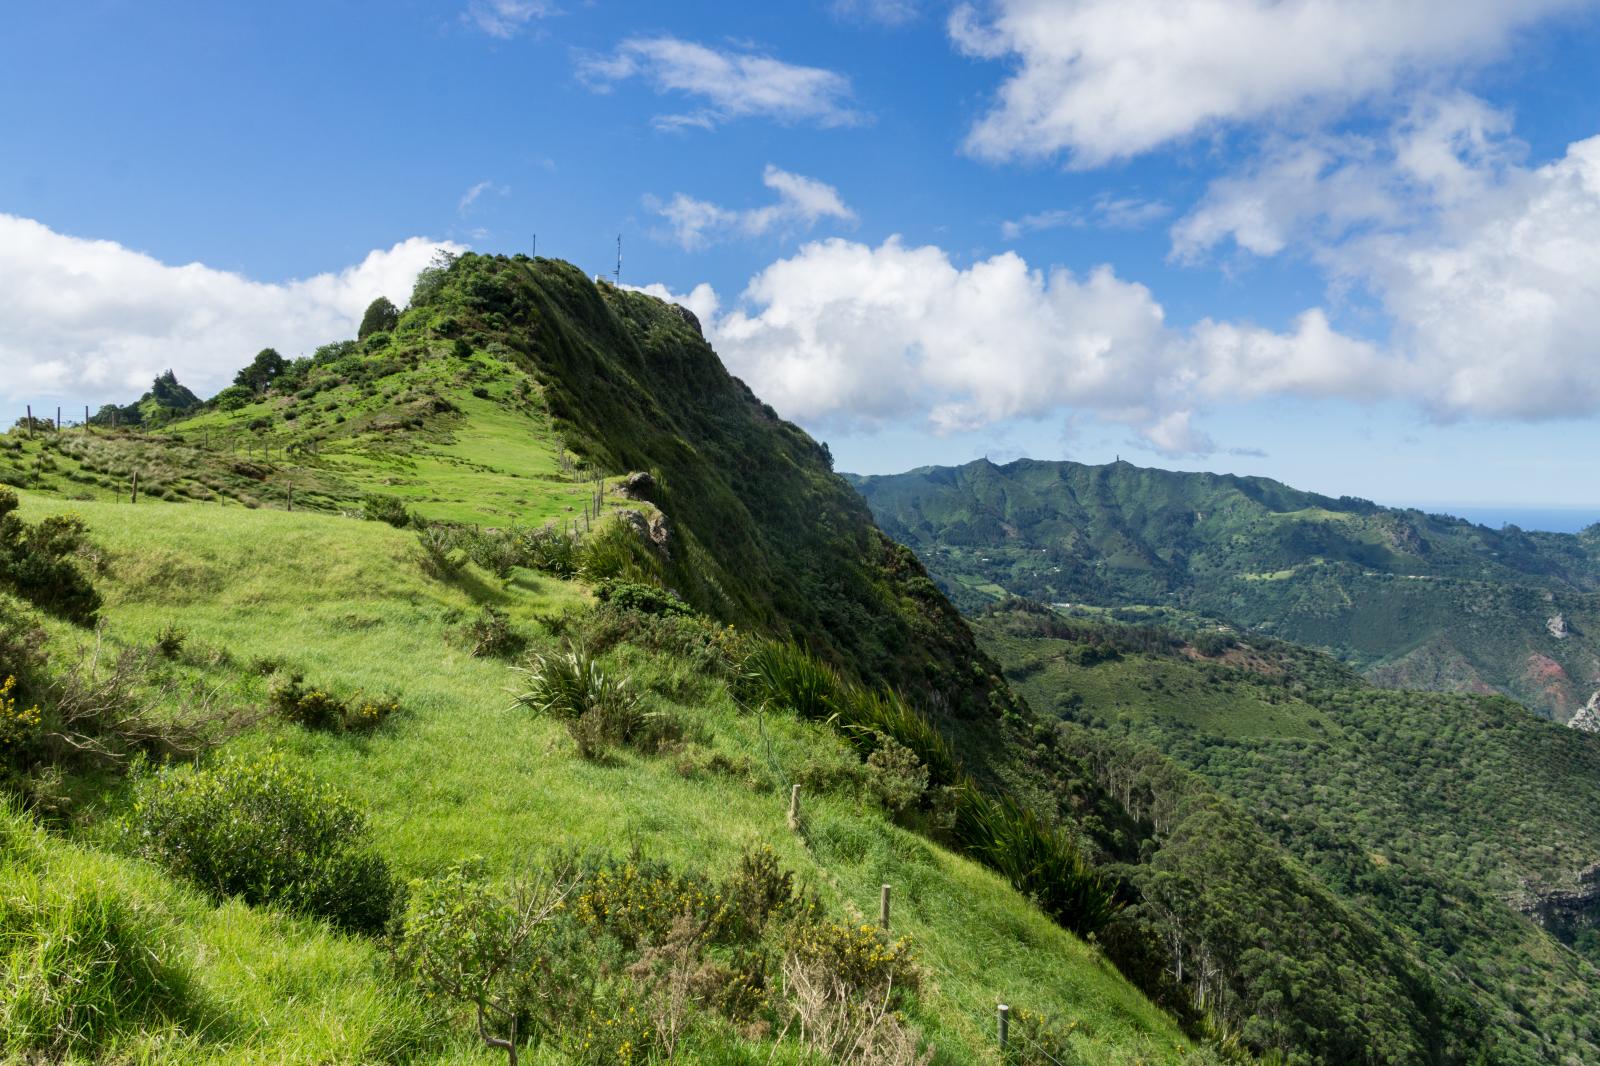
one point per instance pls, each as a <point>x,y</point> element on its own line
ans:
<point>262,371</point>
<point>381,317</point>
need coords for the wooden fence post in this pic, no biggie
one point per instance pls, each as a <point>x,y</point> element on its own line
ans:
<point>135,497</point>
<point>86,418</point>
<point>30,421</point>
<point>883,909</point>
<point>1004,1014</point>
<point>58,418</point>
<point>794,808</point>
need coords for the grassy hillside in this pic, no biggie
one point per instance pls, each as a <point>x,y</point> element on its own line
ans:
<point>459,772</point>
<point>1440,816</point>
<point>495,424</point>
<point>1414,600</point>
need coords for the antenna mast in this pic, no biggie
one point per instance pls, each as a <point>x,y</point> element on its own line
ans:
<point>619,259</point>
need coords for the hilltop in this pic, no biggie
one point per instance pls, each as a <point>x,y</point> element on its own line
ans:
<point>326,581</point>
<point>1413,600</point>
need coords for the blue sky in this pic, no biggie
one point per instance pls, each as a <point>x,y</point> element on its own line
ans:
<point>1351,245</point>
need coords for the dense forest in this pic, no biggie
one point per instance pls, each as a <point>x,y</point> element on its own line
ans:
<point>1414,600</point>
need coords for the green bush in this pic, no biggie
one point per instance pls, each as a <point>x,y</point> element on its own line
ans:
<point>646,599</point>
<point>267,833</point>
<point>315,708</point>
<point>616,551</point>
<point>865,716</point>
<point>549,549</point>
<point>36,562</point>
<point>378,507</point>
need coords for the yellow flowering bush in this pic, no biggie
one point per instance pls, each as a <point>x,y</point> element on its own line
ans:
<point>17,727</point>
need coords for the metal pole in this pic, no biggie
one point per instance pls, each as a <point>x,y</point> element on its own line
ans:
<point>1004,1013</point>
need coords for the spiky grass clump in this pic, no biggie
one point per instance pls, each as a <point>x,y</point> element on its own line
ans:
<point>781,674</point>
<point>599,709</point>
<point>1039,859</point>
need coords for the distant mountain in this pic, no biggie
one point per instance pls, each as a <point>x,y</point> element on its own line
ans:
<point>1411,599</point>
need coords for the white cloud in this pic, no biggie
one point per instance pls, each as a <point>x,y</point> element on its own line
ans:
<point>802,203</point>
<point>1105,211</point>
<point>1488,270</point>
<point>732,84</point>
<point>472,195</point>
<point>1107,79</point>
<point>847,331</point>
<point>86,321</point>
<point>883,12</point>
<point>505,18</point>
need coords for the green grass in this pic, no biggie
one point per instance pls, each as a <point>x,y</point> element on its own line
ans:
<point>461,772</point>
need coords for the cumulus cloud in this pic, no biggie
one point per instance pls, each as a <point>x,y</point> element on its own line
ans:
<point>845,331</point>
<point>733,84</point>
<point>1488,269</point>
<point>505,18</point>
<point>1105,79</point>
<point>88,321</point>
<point>802,203</point>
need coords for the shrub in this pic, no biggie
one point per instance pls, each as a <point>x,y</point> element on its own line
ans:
<point>862,959</point>
<point>267,833</point>
<point>35,562</point>
<point>315,708</point>
<point>899,778</point>
<point>19,727</point>
<point>616,551</point>
<point>865,716</point>
<point>169,642</point>
<point>646,599</point>
<point>507,955</point>
<point>490,635</point>
<point>378,507</point>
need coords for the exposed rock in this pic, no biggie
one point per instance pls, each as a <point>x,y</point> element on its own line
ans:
<point>654,531</point>
<point>1557,626</point>
<point>689,319</point>
<point>1564,912</point>
<point>1588,716</point>
<point>639,485</point>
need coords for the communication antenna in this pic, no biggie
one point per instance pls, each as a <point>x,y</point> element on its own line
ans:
<point>619,259</point>
<point>536,246</point>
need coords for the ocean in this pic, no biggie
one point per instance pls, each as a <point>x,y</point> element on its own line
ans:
<point>1549,519</point>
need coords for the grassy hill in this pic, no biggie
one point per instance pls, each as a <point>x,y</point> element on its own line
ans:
<point>1442,817</point>
<point>1413,600</point>
<point>237,637</point>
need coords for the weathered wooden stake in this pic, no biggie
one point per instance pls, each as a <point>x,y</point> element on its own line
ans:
<point>86,417</point>
<point>134,498</point>
<point>794,808</point>
<point>1004,1013</point>
<point>58,418</point>
<point>30,421</point>
<point>883,909</point>
<point>291,497</point>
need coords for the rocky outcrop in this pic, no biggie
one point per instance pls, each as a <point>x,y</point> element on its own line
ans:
<point>1588,716</point>
<point>1564,912</point>
<point>1557,627</point>
<point>638,485</point>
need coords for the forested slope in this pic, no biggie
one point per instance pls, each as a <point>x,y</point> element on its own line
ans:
<point>1414,600</point>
